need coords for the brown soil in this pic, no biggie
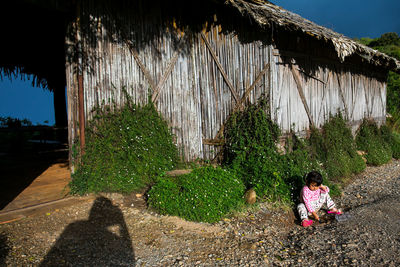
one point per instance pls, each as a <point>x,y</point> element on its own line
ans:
<point>118,230</point>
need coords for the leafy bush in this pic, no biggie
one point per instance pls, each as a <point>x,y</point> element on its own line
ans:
<point>393,122</point>
<point>125,149</point>
<point>371,140</point>
<point>298,162</point>
<point>336,149</point>
<point>250,150</point>
<point>206,194</point>
<point>395,145</point>
<point>392,138</point>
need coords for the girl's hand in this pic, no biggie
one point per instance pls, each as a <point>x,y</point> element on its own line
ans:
<point>322,187</point>
<point>315,215</point>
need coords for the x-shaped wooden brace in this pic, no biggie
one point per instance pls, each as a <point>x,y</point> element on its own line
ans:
<point>155,88</point>
<point>239,101</point>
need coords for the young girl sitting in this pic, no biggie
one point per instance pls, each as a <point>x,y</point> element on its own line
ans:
<point>313,196</point>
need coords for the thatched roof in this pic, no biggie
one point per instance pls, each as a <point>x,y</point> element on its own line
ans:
<point>266,14</point>
<point>263,13</point>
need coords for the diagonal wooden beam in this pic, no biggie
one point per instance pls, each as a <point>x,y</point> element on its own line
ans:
<point>342,95</point>
<point>160,84</point>
<point>239,105</point>
<point>296,76</point>
<point>221,69</point>
<point>142,67</point>
<point>354,96</point>
<point>367,98</point>
<point>323,96</point>
<point>251,87</point>
<point>155,88</point>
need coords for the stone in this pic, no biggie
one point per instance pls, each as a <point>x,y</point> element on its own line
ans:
<point>250,196</point>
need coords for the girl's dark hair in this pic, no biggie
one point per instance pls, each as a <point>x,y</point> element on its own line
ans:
<point>314,177</point>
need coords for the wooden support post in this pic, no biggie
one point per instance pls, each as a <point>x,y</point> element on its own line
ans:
<point>79,63</point>
<point>296,76</point>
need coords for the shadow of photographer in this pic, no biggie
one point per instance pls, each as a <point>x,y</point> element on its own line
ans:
<point>102,240</point>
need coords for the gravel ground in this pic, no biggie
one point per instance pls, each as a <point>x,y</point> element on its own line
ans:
<point>117,230</point>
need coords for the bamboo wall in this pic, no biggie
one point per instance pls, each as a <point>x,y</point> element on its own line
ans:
<point>329,89</point>
<point>195,98</point>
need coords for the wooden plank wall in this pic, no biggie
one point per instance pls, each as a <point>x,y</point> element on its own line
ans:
<point>330,89</point>
<point>195,99</point>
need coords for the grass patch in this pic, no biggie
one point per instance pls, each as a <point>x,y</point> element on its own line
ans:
<point>206,194</point>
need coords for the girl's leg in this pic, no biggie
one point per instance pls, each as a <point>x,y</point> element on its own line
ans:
<point>326,200</point>
<point>301,208</point>
<point>329,203</point>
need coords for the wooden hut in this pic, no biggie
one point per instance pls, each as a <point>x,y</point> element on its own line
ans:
<point>198,64</point>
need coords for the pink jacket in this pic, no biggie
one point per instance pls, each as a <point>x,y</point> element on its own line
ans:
<point>307,196</point>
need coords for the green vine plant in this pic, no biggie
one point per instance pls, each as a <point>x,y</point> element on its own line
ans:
<point>126,148</point>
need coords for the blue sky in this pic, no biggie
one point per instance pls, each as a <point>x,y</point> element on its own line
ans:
<point>18,99</point>
<point>353,18</point>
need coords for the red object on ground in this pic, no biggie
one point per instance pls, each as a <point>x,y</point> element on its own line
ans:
<point>307,223</point>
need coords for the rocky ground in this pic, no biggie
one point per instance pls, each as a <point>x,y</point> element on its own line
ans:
<point>116,230</point>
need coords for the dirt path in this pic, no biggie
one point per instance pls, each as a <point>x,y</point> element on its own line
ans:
<point>117,230</point>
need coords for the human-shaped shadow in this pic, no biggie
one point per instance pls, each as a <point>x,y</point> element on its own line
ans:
<point>103,240</point>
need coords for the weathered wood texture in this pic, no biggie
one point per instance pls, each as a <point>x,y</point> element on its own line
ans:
<point>207,71</point>
<point>195,98</point>
<point>331,88</point>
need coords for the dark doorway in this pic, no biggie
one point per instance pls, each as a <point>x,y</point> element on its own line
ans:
<point>33,44</point>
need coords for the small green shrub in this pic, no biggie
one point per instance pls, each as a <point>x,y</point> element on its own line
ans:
<point>392,138</point>
<point>395,145</point>
<point>125,149</point>
<point>393,121</point>
<point>336,149</point>
<point>250,150</point>
<point>298,162</point>
<point>371,140</point>
<point>206,194</point>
